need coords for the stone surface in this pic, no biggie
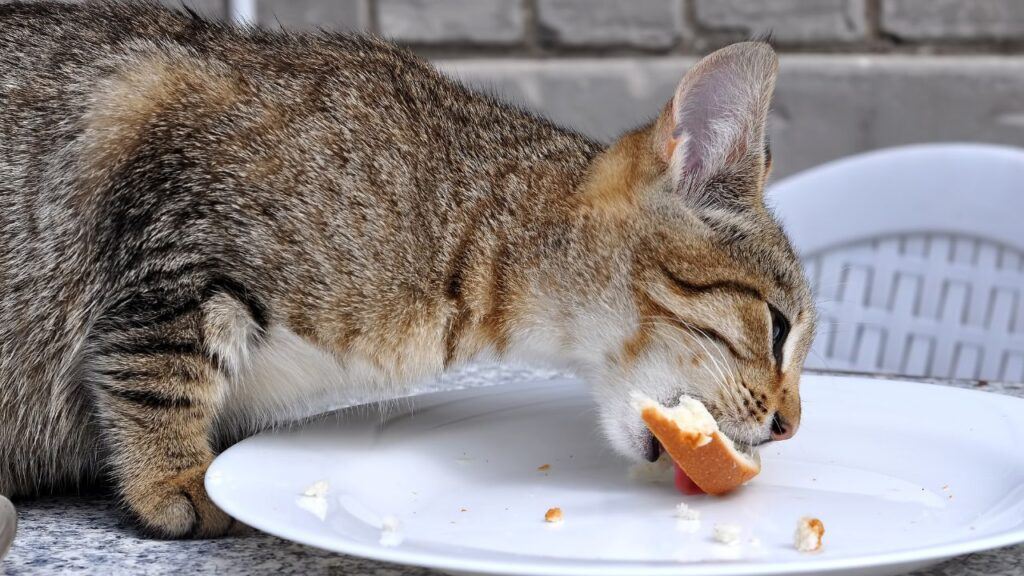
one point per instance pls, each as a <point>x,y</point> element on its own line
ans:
<point>88,535</point>
<point>954,19</point>
<point>452,21</point>
<point>639,23</point>
<point>313,14</point>
<point>787,20</point>
<point>826,107</point>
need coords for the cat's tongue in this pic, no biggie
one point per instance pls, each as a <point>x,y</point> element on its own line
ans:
<point>684,484</point>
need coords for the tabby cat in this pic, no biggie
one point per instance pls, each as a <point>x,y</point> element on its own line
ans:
<point>206,230</point>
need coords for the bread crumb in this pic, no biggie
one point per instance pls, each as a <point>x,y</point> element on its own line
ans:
<point>544,467</point>
<point>727,534</point>
<point>553,516</point>
<point>389,524</point>
<point>808,535</point>
<point>389,533</point>
<point>317,489</point>
<point>684,512</point>
<point>315,505</point>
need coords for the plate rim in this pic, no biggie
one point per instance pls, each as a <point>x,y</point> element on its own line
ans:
<point>537,566</point>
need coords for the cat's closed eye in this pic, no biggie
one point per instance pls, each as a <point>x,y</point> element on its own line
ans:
<point>780,331</point>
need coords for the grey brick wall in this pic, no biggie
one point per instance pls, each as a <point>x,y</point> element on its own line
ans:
<point>545,28</point>
<point>211,8</point>
<point>347,15</point>
<point>445,22</point>
<point>856,74</point>
<point>645,24</point>
<point>939,20</point>
<point>789,21</point>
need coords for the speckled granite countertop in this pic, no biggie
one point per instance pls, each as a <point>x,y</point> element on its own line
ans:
<point>87,535</point>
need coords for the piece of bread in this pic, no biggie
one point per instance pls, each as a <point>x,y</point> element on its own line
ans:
<point>691,436</point>
<point>808,535</point>
<point>553,515</point>
<point>727,534</point>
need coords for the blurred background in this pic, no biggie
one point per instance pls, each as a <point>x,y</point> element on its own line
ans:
<point>856,74</point>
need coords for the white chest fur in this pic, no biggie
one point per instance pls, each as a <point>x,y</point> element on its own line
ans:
<point>286,378</point>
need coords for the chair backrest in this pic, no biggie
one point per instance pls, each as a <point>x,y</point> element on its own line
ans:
<point>916,256</point>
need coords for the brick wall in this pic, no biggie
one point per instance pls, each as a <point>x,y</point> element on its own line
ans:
<point>546,28</point>
<point>856,74</point>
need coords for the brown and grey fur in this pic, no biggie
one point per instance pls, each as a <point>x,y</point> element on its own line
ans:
<point>206,230</point>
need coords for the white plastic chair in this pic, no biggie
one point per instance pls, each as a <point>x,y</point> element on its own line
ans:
<point>916,256</point>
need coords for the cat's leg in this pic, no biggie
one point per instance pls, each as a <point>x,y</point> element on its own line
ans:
<point>158,382</point>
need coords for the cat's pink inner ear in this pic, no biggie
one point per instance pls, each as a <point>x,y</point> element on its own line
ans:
<point>719,110</point>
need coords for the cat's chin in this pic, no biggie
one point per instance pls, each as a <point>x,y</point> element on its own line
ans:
<point>625,432</point>
<point>747,438</point>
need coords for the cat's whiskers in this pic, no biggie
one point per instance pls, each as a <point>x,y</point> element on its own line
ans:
<point>748,426</point>
<point>721,381</point>
<point>725,381</point>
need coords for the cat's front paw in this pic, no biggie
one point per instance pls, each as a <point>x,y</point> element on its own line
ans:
<point>178,507</point>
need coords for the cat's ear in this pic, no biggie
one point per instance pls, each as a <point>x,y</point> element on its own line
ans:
<point>714,126</point>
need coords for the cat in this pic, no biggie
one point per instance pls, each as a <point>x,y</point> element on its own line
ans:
<point>206,229</point>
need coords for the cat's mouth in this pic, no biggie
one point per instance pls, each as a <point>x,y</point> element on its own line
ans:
<point>652,448</point>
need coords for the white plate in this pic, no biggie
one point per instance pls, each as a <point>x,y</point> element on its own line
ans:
<point>903,475</point>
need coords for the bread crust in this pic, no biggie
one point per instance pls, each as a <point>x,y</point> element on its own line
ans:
<point>712,462</point>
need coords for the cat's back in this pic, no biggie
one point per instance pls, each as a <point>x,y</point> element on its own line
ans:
<point>81,84</point>
<point>96,92</point>
<point>63,64</point>
<point>62,49</point>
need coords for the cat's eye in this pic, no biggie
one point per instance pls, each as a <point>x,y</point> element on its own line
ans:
<point>780,330</point>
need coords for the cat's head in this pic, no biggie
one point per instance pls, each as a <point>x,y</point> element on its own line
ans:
<point>703,293</point>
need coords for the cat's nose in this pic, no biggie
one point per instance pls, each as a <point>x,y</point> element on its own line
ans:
<point>782,429</point>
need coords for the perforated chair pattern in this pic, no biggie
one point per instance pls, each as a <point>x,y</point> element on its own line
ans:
<point>921,305</point>
<point>916,258</point>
